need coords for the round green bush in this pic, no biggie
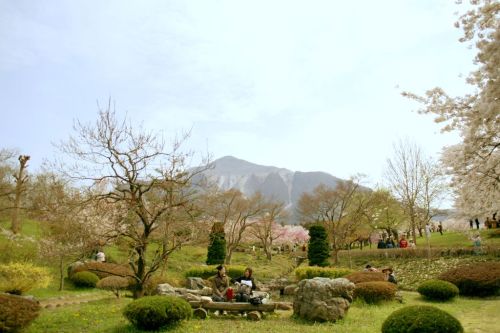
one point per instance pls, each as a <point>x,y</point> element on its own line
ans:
<point>478,279</point>
<point>438,290</point>
<point>375,291</point>
<point>85,279</point>
<point>152,312</point>
<point>16,312</point>
<point>421,319</point>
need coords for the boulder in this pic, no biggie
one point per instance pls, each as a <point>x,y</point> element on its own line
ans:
<point>165,289</point>
<point>195,283</point>
<point>323,299</point>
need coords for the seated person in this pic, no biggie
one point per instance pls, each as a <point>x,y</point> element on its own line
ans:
<point>389,275</point>
<point>245,286</point>
<point>220,285</point>
<point>369,268</point>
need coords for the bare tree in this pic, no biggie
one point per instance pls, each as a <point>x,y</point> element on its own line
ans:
<point>21,179</point>
<point>415,182</point>
<point>131,171</point>
<point>236,213</point>
<point>386,212</point>
<point>267,228</point>
<point>339,209</point>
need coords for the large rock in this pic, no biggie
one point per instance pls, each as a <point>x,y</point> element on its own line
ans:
<point>195,283</point>
<point>323,299</point>
<point>165,289</point>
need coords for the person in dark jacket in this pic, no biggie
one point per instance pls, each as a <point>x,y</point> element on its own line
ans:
<point>245,284</point>
<point>389,275</point>
<point>381,244</point>
<point>220,285</point>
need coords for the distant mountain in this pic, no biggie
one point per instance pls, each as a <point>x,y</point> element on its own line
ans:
<point>273,182</point>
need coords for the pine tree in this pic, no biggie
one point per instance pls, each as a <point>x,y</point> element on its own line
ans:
<point>318,253</point>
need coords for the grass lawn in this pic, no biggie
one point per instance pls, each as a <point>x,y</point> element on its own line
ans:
<point>476,315</point>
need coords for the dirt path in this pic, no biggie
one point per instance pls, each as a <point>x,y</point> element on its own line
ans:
<point>56,302</point>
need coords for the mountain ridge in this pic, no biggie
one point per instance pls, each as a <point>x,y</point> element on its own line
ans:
<point>283,184</point>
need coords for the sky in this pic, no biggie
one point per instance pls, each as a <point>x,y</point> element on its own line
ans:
<point>305,85</point>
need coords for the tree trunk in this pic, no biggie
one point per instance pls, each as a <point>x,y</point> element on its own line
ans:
<point>61,274</point>
<point>336,255</point>
<point>20,181</point>
<point>269,254</point>
<point>229,256</point>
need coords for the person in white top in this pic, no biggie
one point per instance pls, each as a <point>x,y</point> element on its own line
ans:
<point>100,256</point>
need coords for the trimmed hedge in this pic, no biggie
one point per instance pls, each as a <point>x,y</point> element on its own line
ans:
<point>152,312</point>
<point>302,273</point>
<point>206,272</point>
<point>85,279</point>
<point>421,319</point>
<point>359,277</point>
<point>113,284</point>
<point>18,278</point>
<point>375,291</point>
<point>479,279</point>
<point>438,290</point>
<point>16,312</point>
<point>103,269</point>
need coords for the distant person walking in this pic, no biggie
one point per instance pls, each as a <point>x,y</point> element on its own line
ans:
<point>477,224</point>
<point>440,228</point>
<point>476,241</point>
<point>471,223</point>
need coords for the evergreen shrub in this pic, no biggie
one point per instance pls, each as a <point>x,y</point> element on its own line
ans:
<point>152,312</point>
<point>16,312</point>
<point>85,279</point>
<point>17,278</point>
<point>359,277</point>
<point>302,273</point>
<point>421,319</point>
<point>478,279</point>
<point>375,291</point>
<point>216,253</point>
<point>318,252</point>
<point>438,290</point>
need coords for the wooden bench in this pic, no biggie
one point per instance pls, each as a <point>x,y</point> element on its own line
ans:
<point>254,312</point>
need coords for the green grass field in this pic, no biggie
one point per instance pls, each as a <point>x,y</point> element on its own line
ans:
<point>476,315</point>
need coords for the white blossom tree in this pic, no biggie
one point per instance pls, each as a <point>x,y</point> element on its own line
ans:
<point>475,162</point>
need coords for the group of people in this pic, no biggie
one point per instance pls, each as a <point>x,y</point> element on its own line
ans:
<point>243,286</point>
<point>488,223</point>
<point>390,243</point>
<point>388,271</point>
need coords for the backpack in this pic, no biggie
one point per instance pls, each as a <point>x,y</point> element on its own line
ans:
<point>256,300</point>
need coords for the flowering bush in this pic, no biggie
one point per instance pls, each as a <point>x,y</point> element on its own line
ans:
<point>18,278</point>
